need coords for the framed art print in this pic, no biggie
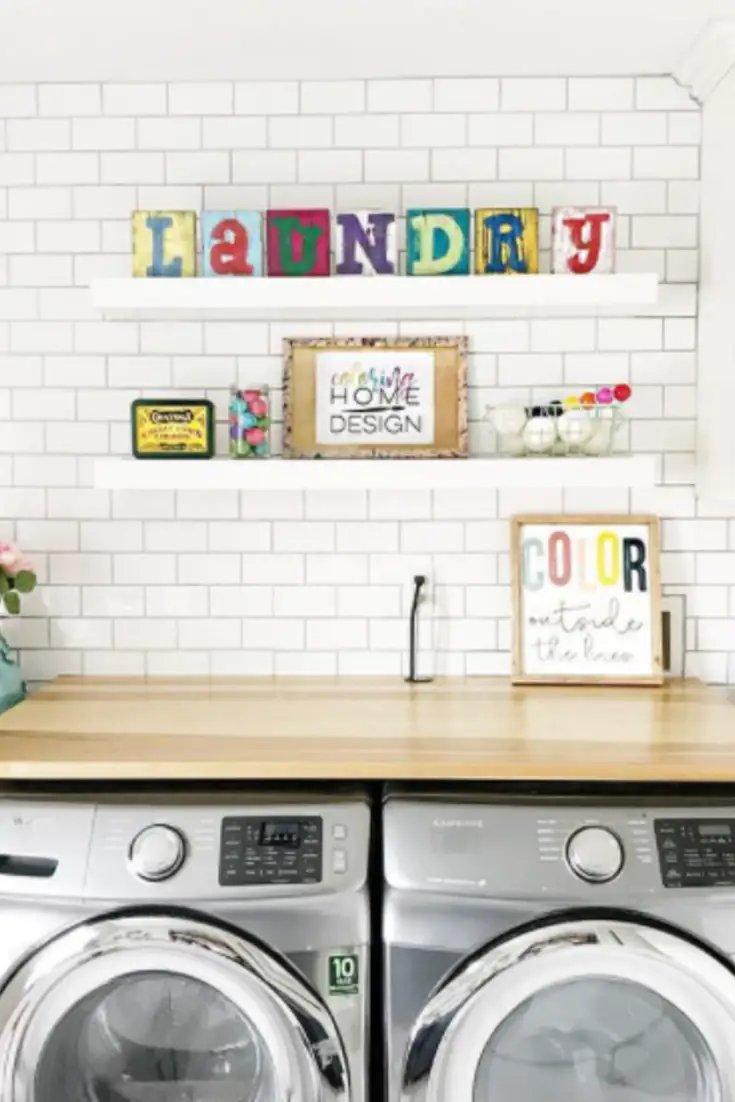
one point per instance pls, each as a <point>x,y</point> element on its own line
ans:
<point>366,397</point>
<point>586,600</point>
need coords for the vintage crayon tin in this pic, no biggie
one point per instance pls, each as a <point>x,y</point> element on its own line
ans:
<point>172,428</point>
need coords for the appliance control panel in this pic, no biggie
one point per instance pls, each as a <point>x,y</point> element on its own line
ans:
<point>696,853</point>
<point>562,850</point>
<point>283,850</point>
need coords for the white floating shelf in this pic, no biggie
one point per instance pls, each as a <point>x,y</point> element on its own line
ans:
<point>384,298</point>
<point>374,474</point>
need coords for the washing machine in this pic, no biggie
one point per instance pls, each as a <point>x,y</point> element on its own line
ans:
<point>183,949</point>
<point>559,950</point>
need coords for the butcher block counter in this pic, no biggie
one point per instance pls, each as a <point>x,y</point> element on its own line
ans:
<point>369,729</point>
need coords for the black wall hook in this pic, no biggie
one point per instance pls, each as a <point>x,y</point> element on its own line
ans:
<point>419,582</point>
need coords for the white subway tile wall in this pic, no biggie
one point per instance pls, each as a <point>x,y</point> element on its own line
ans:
<point>318,583</point>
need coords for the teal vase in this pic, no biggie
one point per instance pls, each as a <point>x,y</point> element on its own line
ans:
<point>12,685</point>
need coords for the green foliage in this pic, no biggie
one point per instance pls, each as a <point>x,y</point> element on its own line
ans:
<point>12,602</point>
<point>25,581</point>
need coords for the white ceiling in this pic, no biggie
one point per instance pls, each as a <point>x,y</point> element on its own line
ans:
<point>206,39</point>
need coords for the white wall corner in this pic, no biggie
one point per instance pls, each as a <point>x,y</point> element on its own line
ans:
<point>714,85</point>
<point>708,60</point>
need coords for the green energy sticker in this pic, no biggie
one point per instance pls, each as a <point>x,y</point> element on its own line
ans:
<point>344,974</point>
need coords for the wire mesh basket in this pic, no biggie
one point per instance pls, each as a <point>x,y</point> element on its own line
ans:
<point>585,426</point>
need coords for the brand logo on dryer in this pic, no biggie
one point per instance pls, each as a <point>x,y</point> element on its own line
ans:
<point>463,824</point>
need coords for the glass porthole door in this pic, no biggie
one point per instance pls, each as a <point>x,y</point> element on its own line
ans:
<point>579,1011</point>
<point>159,1008</point>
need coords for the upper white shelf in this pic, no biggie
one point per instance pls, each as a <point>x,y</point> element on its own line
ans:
<point>374,474</point>
<point>384,298</point>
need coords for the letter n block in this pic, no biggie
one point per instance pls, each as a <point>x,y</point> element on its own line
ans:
<point>438,242</point>
<point>298,242</point>
<point>506,240</point>
<point>583,240</point>
<point>232,243</point>
<point>365,243</point>
<point>164,243</point>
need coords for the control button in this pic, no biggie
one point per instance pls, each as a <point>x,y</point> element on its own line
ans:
<point>157,852</point>
<point>339,832</point>
<point>595,854</point>
<point>339,860</point>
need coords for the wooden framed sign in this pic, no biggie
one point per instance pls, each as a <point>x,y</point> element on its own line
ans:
<point>372,397</point>
<point>586,600</point>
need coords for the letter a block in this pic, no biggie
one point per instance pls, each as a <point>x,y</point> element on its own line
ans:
<point>164,243</point>
<point>506,241</point>
<point>583,240</point>
<point>232,243</point>
<point>366,244</point>
<point>438,242</point>
<point>298,242</point>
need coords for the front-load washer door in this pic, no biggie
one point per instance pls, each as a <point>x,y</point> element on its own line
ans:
<point>579,1009</point>
<point>144,1006</point>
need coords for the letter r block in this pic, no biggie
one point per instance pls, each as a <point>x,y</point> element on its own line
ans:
<point>506,240</point>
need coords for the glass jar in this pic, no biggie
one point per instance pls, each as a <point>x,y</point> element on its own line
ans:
<point>250,422</point>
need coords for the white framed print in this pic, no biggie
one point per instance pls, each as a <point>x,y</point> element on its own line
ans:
<point>586,600</point>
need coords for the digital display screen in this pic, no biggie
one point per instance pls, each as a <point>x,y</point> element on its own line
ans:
<point>277,833</point>
<point>707,829</point>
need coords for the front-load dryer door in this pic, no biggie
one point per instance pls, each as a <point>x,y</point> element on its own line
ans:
<point>164,1007</point>
<point>579,1009</point>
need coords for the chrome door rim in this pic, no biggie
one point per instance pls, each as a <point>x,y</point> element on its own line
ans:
<point>458,1021</point>
<point>306,1050</point>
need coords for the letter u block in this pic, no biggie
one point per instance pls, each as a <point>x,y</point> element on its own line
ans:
<point>297,242</point>
<point>232,243</point>
<point>438,242</point>
<point>506,240</point>
<point>164,243</point>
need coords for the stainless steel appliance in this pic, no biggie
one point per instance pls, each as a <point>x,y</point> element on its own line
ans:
<point>556,950</point>
<point>183,949</point>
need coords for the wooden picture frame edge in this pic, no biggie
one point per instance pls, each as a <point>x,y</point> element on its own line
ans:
<point>460,343</point>
<point>655,679</point>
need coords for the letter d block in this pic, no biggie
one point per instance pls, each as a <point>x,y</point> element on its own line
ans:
<point>232,243</point>
<point>298,242</point>
<point>506,241</point>
<point>164,243</point>
<point>438,242</point>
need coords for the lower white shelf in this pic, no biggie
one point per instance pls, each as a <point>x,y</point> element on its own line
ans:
<point>374,474</point>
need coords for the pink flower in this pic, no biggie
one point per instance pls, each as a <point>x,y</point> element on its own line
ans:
<point>12,560</point>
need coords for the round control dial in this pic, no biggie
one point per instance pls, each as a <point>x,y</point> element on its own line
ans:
<point>157,852</point>
<point>595,854</point>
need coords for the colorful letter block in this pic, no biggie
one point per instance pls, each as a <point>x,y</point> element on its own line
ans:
<point>366,243</point>
<point>583,240</point>
<point>232,243</point>
<point>506,241</point>
<point>298,242</point>
<point>438,242</point>
<point>164,243</point>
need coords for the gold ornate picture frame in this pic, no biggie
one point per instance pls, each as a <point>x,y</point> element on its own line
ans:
<point>375,397</point>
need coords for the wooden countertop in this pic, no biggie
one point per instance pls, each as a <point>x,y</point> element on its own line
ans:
<point>309,728</point>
